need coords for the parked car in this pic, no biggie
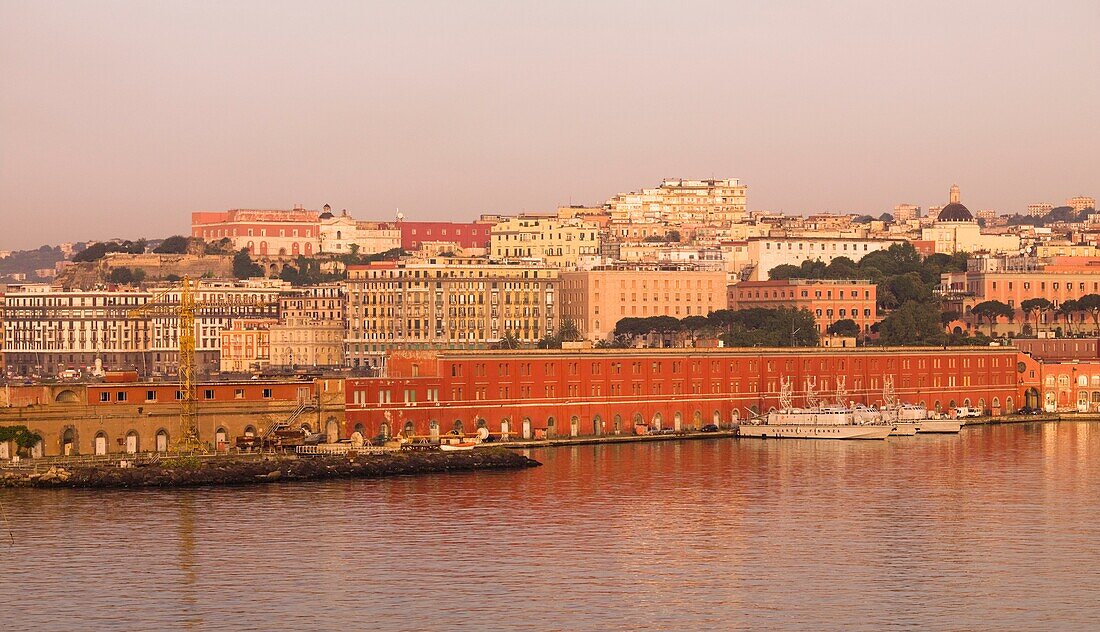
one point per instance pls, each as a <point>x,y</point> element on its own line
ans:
<point>709,428</point>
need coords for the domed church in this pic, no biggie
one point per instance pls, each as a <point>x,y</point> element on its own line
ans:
<point>955,211</point>
<point>956,230</point>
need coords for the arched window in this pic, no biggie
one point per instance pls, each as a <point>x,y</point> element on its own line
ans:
<point>249,431</point>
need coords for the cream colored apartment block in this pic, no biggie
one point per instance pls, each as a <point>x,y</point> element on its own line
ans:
<point>595,300</point>
<point>311,328</point>
<point>555,241</point>
<point>678,200</point>
<point>446,303</point>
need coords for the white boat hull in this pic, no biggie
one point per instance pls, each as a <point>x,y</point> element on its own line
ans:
<point>813,431</point>
<point>904,429</point>
<point>932,426</point>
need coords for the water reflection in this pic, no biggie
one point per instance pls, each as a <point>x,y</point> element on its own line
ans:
<point>994,528</point>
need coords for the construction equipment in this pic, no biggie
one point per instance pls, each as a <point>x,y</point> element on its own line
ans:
<point>184,309</point>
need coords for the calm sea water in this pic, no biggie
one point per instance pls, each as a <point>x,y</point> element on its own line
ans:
<point>996,528</point>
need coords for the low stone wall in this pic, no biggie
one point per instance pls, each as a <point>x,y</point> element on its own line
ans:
<point>189,471</point>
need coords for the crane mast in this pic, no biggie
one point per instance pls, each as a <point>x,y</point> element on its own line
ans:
<point>184,311</point>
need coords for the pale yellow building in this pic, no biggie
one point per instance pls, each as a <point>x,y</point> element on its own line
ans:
<point>677,200</point>
<point>446,303</point>
<point>554,241</point>
<point>1081,202</point>
<point>310,331</point>
<point>595,300</point>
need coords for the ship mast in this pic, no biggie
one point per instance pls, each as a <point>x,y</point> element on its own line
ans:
<point>812,400</point>
<point>889,399</point>
<point>841,391</point>
<point>786,399</point>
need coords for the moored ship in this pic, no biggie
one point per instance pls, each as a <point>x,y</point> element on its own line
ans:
<point>814,422</point>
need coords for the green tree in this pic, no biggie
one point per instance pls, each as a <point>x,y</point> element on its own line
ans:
<point>1067,309</point>
<point>991,311</point>
<point>912,324</point>
<point>509,341</point>
<point>24,439</point>
<point>1035,306</point>
<point>1091,303</point>
<point>174,245</point>
<point>843,327</point>
<point>243,266</point>
<point>126,276</point>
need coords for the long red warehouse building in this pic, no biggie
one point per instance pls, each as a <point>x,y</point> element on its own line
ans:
<point>609,391</point>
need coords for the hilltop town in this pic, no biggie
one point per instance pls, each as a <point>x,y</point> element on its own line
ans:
<point>380,318</point>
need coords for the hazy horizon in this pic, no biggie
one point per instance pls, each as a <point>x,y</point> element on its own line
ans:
<point>118,119</point>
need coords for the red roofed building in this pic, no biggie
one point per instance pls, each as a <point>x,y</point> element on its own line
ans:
<point>262,232</point>
<point>465,234</point>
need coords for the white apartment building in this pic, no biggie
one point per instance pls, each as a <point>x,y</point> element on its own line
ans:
<point>49,330</point>
<point>341,234</point>
<point>770,252</point>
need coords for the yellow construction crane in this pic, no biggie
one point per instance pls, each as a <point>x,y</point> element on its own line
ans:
<point>185,310</point>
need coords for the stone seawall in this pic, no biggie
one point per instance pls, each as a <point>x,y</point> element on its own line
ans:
<point>197,471</point>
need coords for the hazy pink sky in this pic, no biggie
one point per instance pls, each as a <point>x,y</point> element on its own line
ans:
<point>120,118</point>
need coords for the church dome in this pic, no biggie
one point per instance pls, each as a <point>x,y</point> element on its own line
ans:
<point>955,212</point>
<point>327,215</point>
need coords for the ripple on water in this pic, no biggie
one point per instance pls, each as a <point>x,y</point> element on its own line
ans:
<point>994,528</point>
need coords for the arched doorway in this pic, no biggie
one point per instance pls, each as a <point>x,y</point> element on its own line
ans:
<point>457,427</point>
<point>162,440</point>
<point>384,430</point>
<point>409,429</point>
<point>221,436</point>
<point>433,429</point>
<point>677,421</point>
<point>617,424</point>
<point>981,405</point>
<point>574,426</point>
<point>132,442</point>
<point>1008,404</point>
<point>525,428</point>
<point>657,421</point>
<point>697,419</point>
<point>597,425</point>
<point>100,444</point>
<point>505,429</point>
<point>332,430</point>
<point>716,418</point>
<point>550,426</point>
<point>68,442</point>
<point>249,431</point>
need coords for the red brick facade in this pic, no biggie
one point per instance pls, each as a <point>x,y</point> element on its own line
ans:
<point>595,392</point>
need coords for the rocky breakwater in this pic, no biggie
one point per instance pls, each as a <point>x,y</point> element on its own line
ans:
<point>193,471</point>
